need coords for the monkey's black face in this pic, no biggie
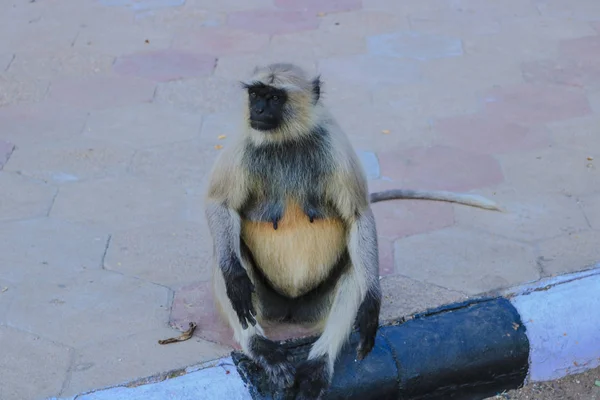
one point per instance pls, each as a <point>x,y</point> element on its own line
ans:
<point>266,107</point>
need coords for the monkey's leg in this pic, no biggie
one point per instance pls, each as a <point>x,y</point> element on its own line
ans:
<point>269,355</point>
<point>357,298</point>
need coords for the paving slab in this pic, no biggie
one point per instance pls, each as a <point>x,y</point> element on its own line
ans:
<point>185,162</point>
<point>26,250</point>
<point>72,160</point>
<point>6,149</point>
<point>28,124</point>
<point>499,263</point>
<point>60,63</point>
<point>121,202</point>
<point>45,363</point>
<point>559,255</point>
<point>592,213</point>
<point>85,307</point>
<point>17,89</point>
<point>548,216</point>
<point>164,253</point>
<point>130,357</point>
<point>529,171</point>
<point>5,61</point>
<point>22,197</point>
<point>112,113</point>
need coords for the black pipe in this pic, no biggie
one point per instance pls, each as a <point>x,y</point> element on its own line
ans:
<point>464,351</point>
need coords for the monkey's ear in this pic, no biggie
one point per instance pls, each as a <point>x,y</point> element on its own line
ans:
<point>316,88</point>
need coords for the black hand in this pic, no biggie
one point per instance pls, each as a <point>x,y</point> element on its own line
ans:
<point>239,290</point>
<point>367,321</point>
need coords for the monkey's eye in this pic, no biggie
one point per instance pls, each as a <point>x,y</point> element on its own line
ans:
<point>275,98</point>
<point>252,94</point>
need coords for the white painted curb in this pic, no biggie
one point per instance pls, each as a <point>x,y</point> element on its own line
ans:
<point>219,381</point>
<point>562,318</point>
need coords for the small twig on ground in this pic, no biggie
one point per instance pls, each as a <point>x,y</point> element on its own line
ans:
<point>181,338</point>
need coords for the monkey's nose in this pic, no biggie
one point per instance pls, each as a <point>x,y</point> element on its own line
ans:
<point>259,110</point>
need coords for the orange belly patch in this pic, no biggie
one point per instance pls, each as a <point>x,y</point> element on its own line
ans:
<point>299,254</point>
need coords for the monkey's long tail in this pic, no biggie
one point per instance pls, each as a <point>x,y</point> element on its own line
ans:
<point>468,199</point>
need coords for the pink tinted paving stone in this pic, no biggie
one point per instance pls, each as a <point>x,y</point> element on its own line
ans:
<point>489,135</point>
<point>45,122</point>
<point>194,303</point>
<point>273,21</point>
<point>440,167</point>
<point>6,150</point>
<point>101,92</point>
<point>568,72</point>
<point>143,5</point>
<point>399,218</point>
<point>227,5</point>
<point>410,217</point>
<point>220,41</point>
<point>165,65</point>
<point>534,104</point>
<point>320,6</point>
<point>585,49</point>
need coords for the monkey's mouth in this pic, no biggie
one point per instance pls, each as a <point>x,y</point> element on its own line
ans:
<point>263,125</point>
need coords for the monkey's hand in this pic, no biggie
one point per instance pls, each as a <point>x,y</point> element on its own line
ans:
<point>367,322</point>
<point>239,290</point>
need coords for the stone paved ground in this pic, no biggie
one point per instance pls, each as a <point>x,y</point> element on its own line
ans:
<point>111,114</point>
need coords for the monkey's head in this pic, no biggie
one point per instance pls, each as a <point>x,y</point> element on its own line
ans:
<point>282,102</point>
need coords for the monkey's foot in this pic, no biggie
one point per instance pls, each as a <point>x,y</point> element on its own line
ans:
<point>281,375</point>
<point>312,379</point>
<point>275,360</point>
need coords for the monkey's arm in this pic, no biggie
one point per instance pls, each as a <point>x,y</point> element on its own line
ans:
<point>358,294</point>
<point>226,192</point>
<point>364,254</point>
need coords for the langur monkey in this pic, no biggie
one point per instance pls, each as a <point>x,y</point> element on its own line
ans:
<point>294,235</point>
